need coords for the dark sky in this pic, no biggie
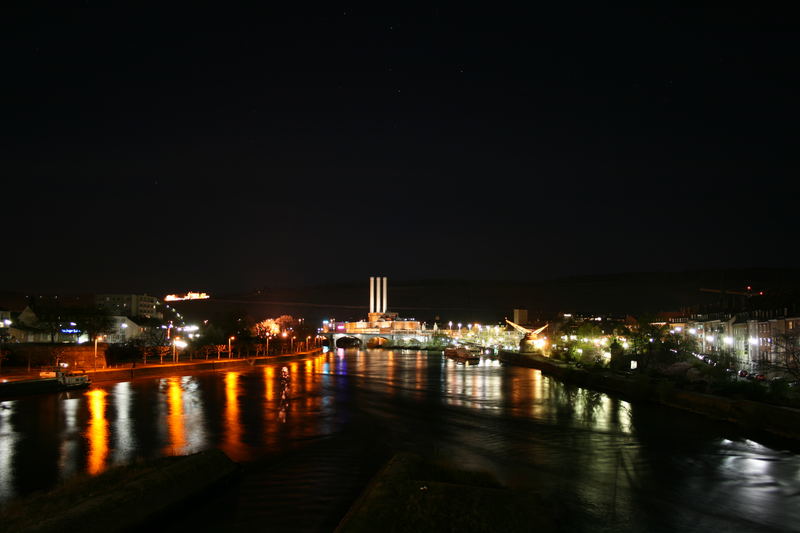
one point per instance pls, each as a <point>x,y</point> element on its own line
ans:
<point>225,150</point>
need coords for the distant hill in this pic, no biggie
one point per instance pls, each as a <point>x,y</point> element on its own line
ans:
<point>491,300</point>
<point>488,300</point>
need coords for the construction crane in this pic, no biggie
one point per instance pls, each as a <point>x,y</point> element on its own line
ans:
<point>533,332</point>
<point>530,342</point>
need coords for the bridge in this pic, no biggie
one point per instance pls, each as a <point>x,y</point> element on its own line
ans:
<point>383,327</point>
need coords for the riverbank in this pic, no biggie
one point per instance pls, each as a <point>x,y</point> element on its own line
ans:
<point>748,414</point>
<point>139,370</point>
<point>414,495</point>
<point>125,498</point>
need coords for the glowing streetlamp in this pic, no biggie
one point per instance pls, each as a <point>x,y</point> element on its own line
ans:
<point>229,345</point>
<point>96,339</point>
<point>177,344</point>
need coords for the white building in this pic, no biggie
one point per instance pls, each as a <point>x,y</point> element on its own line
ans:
<point>130,305</point>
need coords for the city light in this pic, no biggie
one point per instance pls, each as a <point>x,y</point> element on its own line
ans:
<point>188,296</point>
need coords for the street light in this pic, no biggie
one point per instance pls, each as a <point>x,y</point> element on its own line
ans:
<point>291,345</point>
<point>95,352</point>
<point>229,346</point>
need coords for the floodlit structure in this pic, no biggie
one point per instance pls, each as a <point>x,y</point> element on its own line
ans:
<point>530,343</point>
<point>188,296</point>
<point>377,294</point>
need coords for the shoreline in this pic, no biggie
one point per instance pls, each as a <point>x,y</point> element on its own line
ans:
<point>161,370</point>
<point>748,414</point>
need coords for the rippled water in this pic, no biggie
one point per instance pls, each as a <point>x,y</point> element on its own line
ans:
<point>609,464</point>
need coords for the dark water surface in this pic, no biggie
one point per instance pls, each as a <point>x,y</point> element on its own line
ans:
<point>605,463</point>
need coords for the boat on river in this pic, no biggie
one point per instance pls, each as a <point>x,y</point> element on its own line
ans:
<point>49,381</point>
<point>462,355</point>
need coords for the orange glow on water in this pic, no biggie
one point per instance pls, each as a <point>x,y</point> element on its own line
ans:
<point>233,427</point>
<point>175,421</point>
<point>269,383</point>
<point>97,432</point>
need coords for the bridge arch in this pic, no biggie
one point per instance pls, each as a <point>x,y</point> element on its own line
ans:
<point>376,341</point>
<point>347,341</point>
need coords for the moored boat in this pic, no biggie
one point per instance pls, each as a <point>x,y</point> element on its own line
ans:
<point>49,381</point>
<point>461,354</point>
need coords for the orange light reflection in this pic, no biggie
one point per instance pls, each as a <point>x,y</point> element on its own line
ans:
<point>175,421</point>
<point>233,430</point>
<point>97,432</point>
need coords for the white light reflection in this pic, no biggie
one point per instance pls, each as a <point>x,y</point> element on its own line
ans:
<point>124,439</point>
<point>68,460</point>
<point>8,440</point>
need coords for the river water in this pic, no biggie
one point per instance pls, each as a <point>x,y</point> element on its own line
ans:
<point>608,463</point>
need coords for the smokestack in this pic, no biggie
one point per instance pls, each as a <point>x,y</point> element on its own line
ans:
<point>384,295</point>
<point>377,295</point>
<point>372,294</point>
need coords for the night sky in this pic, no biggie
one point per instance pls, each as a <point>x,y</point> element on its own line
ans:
<point>225,150</point>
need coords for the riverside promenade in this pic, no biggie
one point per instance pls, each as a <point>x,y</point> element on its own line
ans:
<point>135,370</point>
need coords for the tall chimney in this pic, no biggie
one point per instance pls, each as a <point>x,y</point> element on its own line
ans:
<point>371,294</point>
<point>377,295</point>
<point>384,295</point>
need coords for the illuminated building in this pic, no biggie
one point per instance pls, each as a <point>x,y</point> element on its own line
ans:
<point>130,304</point>
<point>188,296</point>
<point>379,320</point>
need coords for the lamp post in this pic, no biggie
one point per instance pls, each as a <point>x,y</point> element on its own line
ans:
<point>291,344</point>
<point>95,352</point>
<point>229,346</point>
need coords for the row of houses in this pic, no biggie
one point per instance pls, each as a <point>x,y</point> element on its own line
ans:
<point>754,337</point>
<point>130,315</point>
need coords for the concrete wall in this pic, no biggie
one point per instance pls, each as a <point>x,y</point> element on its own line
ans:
<point>77,356</point>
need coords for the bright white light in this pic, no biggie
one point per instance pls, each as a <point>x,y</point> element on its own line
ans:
<point>678,329</point>
<point>693,331</point>
<point>634,364</point>
<point>181,344</point>
<point>123,325</point>
<point>728,340</point>
<point>753,341</point>
<point>625,344</point>
<point>7,322</point>
<point>710,338</point>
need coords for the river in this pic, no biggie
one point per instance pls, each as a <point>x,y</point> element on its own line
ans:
<point>611,464</point>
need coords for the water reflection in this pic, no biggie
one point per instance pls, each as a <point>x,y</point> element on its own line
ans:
<point>639,464</point>
<point>124,437</point>
<point>97,432</point>
<point>232,429</point>
<point>8,441</point>
<point>70,443</point>
<point>175,420</point>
